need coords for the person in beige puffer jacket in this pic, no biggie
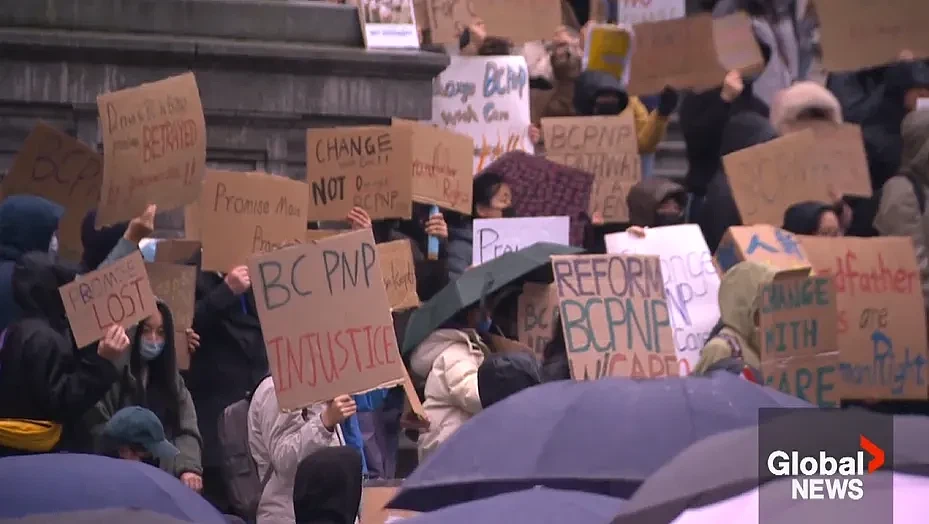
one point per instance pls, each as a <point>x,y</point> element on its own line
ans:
<point>449,359</point>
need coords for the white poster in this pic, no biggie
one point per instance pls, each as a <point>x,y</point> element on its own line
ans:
<point>691,282</point>
<point>388,23</point>
<point>637,11</point>
<point>496,236</point>
<point>486,98</point>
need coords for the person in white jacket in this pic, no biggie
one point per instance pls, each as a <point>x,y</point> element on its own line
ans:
<point>280,441</point>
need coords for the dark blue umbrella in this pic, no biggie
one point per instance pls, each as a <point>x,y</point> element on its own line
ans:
<point>61,484</point>
<point>532,506</point>
<point>604,436</point>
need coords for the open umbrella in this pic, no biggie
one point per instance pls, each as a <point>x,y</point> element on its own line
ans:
<point>908,492</point>
<point>532,506</point>
<point>726,464</point>
<point>530,264</point>
<point>604,436</point>
<point>59,486</point>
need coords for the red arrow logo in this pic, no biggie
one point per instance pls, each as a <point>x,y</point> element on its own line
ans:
<point>874,451</point>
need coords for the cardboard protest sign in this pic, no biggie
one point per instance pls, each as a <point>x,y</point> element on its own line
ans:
<point>536,315</point>
<point>387,25</point>
<point>868,33</point>
<point>374,500</point>
<point>769,178</point>
<point>495,236</point>
<point>442,166</point>
<point>692,53</point>
<point>118,293</point>
<point>486,98</point>
<point>154,143</point>
<point>799,344</point>
<point>615,316</point>
<point>176,286</point>
<point>607,147</point>
<point>367,167</point>
<point>881,317</point>
<point>840,158</point>
<point>55,166</point>
<point>690,279</point>
<point>192,221</point>
<point>635,11</point>
<point>174,251</point>
<point>762,243</point>
<point>326,319</point>
<point>608,48</point>
<point>518,20</point>
<point>313,235</point>
<point>246,213</point>
<point>399,274</point>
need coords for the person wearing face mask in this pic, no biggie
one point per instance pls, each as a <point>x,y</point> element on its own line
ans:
<point>739,337</point>
<point>151,380</point>
<point>493,198</point>
<point>448,361</point>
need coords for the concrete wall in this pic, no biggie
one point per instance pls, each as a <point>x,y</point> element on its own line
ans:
<point>267,71</point>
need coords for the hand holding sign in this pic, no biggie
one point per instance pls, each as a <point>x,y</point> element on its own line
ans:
<point>141,226</point>
<point>337,411</point>
<point>358,218</point>
<point>436,226</point>
<point>732,86</point>
<point>238,280</point>
<point>114,343</point>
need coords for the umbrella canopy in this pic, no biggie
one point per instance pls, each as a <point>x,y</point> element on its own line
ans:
<point>532,263</point>
<point>532,506</point>
<point>101,516</point>
<point>59,484</point>
<point>726,465</point>
<point>604,436</point>
<point>910,505</point>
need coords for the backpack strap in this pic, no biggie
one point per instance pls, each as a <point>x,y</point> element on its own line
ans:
<point>266,477</point>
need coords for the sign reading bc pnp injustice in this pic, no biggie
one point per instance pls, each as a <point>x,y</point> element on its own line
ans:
<point>326,319</point>
<point>115,294</point>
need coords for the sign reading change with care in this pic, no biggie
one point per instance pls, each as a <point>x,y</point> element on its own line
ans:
<point>154,148</point>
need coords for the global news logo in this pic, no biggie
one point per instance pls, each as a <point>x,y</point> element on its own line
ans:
<point>826,477</point>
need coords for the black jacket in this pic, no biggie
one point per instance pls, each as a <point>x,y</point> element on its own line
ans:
<point>42,376</point>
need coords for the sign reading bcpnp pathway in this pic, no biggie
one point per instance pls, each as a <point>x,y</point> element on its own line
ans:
<point>826,477</point>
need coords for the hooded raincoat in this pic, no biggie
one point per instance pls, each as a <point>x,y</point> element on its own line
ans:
<point>449,360</point>
<point>739,303</point>
<point>898,213</point>
<point>650,127</point>
<point>646,196</point>
<point>792,107</point>
<point>27,223</point>
<point>42,375</point>
<point>158,386</point>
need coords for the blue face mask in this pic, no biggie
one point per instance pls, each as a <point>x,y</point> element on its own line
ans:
<point>484,325</point>
<point>150,350</point>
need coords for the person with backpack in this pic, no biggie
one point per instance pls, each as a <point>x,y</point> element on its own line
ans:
<point>739,337</point>
<point>902,207</point>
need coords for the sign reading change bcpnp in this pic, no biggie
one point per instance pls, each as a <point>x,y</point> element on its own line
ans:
<point>326,319</point>
<point>367,167</point>
<point>154,148</point>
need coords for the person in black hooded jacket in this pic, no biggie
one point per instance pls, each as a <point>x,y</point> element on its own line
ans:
<point>43,377</point>
<point>813,218</point>
<point>719,211</point>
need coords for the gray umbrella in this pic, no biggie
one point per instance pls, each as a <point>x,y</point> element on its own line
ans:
<point>726,464</point>
<point>98,516</point>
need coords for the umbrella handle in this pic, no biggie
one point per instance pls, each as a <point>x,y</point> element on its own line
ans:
<point>485,290</point>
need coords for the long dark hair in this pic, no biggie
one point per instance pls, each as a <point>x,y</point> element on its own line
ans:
<point>161,395</point>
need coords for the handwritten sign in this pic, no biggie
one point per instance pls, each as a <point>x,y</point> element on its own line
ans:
<point>605,146</point>
<point>115,294</point>
<point>442,166</point>
<point>536,314</point>
<point>690,279</point>
<point>192,221</point>
<point>388,24</point>
<point>495,236</point>
<point>615,316</point>
<point>637,11</point>
<point>518,20</point>
<point>839,158</point>
<point>154,142</point>
<point>799,344</point>
<point>769,178</point>
<point>313,235</point>
<point>692,53</point>
<point>399,273</point>
<point>367,167</point>
<point>881,318</point>
<point>57,167</point>
<point>176,286</point>
<point>764,244</point>
<point>486,98</point>
<point>870,33</point>
<point>246,213</point>
<point>173,251</point>
<point>326,319</point>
